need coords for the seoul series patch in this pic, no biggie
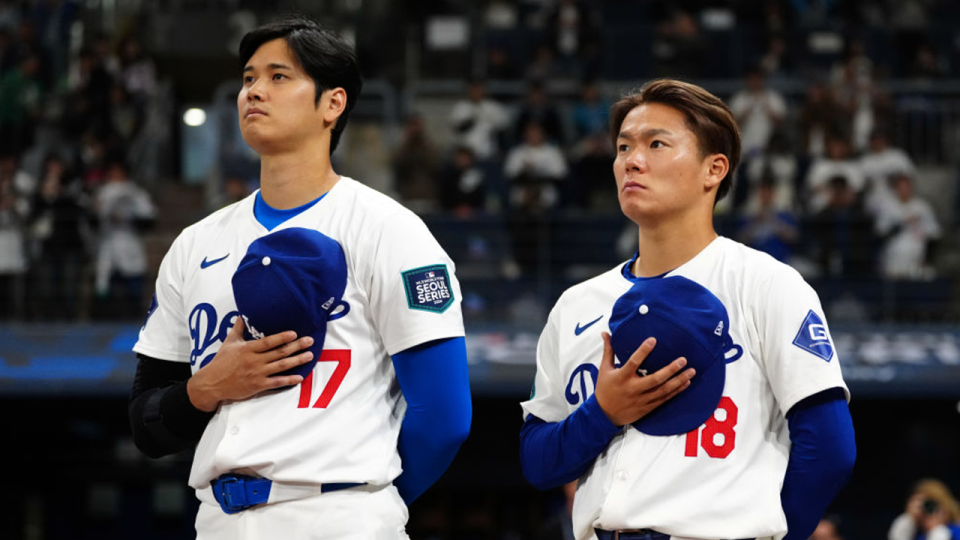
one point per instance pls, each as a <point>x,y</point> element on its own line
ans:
<point>428,288</point>
<point>813,337</point>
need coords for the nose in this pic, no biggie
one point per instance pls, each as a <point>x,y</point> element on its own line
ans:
<point>255,92</point>
<point>634,160</point>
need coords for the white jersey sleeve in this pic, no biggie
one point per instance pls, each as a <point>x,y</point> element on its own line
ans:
<point>162,335</point>
<point>414,293</point>
<point>799,355</point>
<point>547,400</point>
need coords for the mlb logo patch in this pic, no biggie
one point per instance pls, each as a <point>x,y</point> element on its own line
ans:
<point>428,288</point>
<point>813,337</point>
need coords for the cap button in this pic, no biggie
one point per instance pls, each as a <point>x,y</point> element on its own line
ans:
<point>644,309</point>
<point>266,261</point>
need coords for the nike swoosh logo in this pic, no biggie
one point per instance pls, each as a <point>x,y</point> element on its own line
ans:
<point>579,329</point>
<point>207,264</point>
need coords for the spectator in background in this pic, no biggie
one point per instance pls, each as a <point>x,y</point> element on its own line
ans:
<point>21,98</point>
<point>591,156</point>
<point>13,256</point>
<point>60,230</point>
<point>908,226</point>
<point>92,157</point>
<point>103,50</point>
<point>537,107</point>
<point>855,65</point>
<point>89,106</point>
<point>573,33</point>
<point>881,162</point>
<point>929,64</point>
<point>770,229</point>
<point>125,118</point>
<point>837,162</point>
<point>776,62</point>
<point>843,233</point>
<point>137,70</point>
<point>779,165</point>
<point>856,94</point>
<point>592,172</point>
<point>591,113</point>
<point>27,43</point>
<point>535,169</point>
<point>54,21</point>
<point>463,184</point>
<point>759,110</point>
<point>479,122</point>
<point>819,116</point>
<point>123,210</point>
<point>932,513</point>
<point>678,46</point>
<point>415,166</point>
<point>543,67</point>
<point>22,183</point>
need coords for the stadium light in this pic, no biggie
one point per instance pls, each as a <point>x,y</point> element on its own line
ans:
<point>194,117</point>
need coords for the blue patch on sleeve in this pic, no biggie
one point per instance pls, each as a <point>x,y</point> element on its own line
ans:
<point>428,288</point>
<point>813,337</point>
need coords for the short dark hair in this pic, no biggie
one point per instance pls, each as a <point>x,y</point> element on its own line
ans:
<point>329,60</point>
<point>707,116</point>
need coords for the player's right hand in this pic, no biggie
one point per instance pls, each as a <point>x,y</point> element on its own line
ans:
<point>242,369</point>
<point>625,396</point>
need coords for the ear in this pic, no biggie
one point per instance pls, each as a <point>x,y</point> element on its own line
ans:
<point>717,167</point>
<point>332,104</point>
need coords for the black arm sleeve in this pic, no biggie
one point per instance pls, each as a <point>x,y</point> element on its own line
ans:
<point>162,418</point>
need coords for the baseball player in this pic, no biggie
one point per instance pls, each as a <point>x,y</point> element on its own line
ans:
<point>776,441</point>
<point>325,421</point>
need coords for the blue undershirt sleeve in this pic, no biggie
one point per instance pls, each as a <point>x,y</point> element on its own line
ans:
<point>436,385</point>
<point>554,453</point>
<point>822,454</point>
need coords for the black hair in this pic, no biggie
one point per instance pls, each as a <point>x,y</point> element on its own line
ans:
<point>325,56</point>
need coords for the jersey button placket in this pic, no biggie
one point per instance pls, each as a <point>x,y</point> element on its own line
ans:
<point>615,502</point>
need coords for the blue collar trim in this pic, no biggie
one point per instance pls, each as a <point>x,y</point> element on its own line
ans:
<point>271,217</point>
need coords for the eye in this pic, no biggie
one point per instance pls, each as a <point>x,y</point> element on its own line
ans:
<point>657,144</point>
<point>622,148</point>
<point>247,79</point>
<point>279,76</point>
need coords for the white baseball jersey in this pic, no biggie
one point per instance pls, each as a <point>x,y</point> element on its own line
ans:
<point>341,424</point>
<point>722,480</point>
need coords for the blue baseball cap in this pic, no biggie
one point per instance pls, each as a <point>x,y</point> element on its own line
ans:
<point>291,279</point>
<point>689,321</point>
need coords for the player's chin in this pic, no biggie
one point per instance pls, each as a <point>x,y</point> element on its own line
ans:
<point>634,208</point>
<point>257,138</point>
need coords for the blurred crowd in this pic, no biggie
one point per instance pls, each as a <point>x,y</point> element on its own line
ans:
<point>829,193</point>
<point>712,39</point>
<point>71,215</point>
<point>826,184</point>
